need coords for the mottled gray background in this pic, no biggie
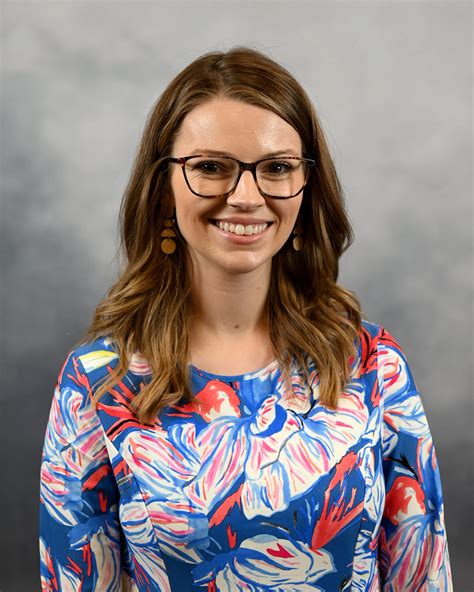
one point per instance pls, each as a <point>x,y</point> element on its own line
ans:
<point>392,82</point>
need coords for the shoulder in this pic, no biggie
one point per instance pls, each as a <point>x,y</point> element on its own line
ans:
<point>79,371</point>
<point>95,362</point>
<point>73,418</point>
<point>371,327</point>
<point>378,348</point>
<point>382,352</point>
<point>90,361</point>
<point>378,335</point>
<point>74,427</point>
<point>94,354</point>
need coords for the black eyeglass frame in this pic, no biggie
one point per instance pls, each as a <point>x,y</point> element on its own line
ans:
<point>243,166</point>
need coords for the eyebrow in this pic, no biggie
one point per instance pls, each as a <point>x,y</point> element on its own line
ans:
<point>288,152</point>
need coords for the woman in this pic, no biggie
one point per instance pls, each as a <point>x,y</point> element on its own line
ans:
<point>229,422</point>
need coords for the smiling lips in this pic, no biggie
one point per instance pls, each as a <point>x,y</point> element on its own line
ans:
<point>241,229</point>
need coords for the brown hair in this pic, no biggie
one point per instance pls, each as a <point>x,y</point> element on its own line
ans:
<point>148,308</point>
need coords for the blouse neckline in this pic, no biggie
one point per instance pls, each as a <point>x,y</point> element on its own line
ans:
<point>237,377</point>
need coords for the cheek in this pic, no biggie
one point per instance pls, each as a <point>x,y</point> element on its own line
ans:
<point>190,218</point>
<point>182,204</point>
<point>183,221</point>
<point>289,216</point>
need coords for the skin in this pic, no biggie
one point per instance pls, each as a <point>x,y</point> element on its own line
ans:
<point>231,280</point>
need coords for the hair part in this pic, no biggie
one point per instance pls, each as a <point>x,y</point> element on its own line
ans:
<point>148,308</point>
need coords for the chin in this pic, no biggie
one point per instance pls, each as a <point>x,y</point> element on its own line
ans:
<point>243,265</point>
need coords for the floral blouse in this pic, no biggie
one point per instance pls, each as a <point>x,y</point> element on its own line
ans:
<point>248,487</point>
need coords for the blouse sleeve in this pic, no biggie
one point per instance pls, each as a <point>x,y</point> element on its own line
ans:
<point>80,542</point>
<point>413,551</point>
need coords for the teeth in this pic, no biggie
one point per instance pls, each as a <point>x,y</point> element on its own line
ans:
<point>240,229</point>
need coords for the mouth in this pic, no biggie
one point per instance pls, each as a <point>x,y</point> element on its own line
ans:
<point>241,229</point>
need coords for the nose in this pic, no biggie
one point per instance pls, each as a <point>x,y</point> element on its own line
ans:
<point>246,195</point>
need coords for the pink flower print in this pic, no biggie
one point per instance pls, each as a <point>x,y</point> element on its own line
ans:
<point>54,576</point>
<point>288,565</point>
<point>417,549</point>
<point>287,457</point>
<point>71,421</point>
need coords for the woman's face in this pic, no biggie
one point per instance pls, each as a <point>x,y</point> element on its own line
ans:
<point>247,133</point>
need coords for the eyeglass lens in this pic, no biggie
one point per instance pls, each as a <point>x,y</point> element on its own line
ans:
<point>215,176</point>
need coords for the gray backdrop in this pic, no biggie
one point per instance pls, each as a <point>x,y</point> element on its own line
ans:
<point>392,82</point>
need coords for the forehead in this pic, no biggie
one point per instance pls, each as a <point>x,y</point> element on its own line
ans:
<point>236,127</point>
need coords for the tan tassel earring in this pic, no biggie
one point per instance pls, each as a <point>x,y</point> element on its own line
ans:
<point>168,245</point>
<point>298,241</point>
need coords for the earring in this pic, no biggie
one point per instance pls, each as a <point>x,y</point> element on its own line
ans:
<point>298,241</point>
<point>168,245</point>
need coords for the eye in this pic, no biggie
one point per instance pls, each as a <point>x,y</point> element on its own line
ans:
<point>210,168</point>
<point>207,166</point>
<point>278,167</point>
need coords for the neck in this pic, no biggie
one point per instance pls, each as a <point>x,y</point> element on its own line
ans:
<point>229,305</point>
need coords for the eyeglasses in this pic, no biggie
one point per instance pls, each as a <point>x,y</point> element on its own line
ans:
<point>280,177</point>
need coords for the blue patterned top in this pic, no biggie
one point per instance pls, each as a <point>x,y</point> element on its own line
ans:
<point>249,487</point>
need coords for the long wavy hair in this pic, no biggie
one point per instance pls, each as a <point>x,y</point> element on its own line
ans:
<point>148,308</point>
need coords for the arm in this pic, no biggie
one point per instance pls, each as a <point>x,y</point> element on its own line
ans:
<point>413,552</point>
<point>80,537</point>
